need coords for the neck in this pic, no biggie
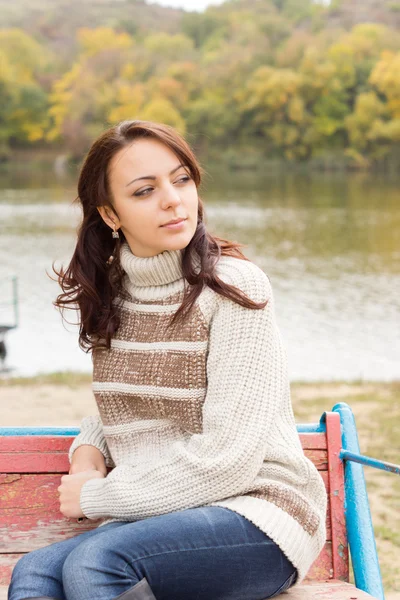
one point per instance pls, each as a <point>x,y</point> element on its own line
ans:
<point>160,269</point>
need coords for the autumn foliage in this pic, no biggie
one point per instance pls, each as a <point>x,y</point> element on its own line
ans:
<point>231,76</point>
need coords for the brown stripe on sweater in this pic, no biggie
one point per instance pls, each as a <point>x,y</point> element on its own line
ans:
<point>117,408</point>
<point>175,298</point>
<point>290,502</point>
<point>153,327</point>
<point>172,369</point>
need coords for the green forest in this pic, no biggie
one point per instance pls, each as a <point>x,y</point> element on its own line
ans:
<point>291,80</point>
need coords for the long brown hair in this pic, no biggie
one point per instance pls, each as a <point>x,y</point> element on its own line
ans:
<point>93,278</point>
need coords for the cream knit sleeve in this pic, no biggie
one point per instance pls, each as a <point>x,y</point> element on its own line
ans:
<point>91,433</point>
<point>246,386</point>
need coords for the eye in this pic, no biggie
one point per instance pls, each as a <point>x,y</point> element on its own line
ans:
<point>144,192</point>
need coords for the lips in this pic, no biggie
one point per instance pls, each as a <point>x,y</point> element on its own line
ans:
<point>174,221</point>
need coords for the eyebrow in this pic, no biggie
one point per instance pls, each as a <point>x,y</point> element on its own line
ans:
<point>153,176</point>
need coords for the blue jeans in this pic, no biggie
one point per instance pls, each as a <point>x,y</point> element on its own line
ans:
<point>206,553</point>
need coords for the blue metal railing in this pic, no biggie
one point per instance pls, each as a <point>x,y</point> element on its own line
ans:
<point>306,428</point>
<point>360,532</point>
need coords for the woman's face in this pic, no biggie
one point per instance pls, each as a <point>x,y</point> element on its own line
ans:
<point>149,188</point>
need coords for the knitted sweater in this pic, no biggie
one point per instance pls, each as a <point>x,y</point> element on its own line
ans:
<point>200,414</point>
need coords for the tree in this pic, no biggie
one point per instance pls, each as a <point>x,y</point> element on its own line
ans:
<point>23,112</point>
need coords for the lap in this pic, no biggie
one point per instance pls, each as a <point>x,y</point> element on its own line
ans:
<point>206,552</point>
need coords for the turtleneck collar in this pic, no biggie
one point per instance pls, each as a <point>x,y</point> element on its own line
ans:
<point>161,269</point>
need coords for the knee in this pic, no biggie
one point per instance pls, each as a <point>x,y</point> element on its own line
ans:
<point>85,559</point>
<point>27,567</point>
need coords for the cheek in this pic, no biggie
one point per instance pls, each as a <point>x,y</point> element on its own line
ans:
<point>135,215</point>
<point>194,202</point>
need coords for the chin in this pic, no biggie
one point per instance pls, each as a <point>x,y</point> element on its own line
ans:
<point>177,245</point>
<point>179,242</point>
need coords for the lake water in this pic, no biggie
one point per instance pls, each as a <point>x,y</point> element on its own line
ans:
<point>329,243</point>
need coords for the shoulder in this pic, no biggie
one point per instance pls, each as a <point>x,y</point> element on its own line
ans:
<point>246,276</point>
<point>241,274</point>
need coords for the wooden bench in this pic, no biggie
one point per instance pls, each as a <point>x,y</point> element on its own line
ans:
<point>33,460</point>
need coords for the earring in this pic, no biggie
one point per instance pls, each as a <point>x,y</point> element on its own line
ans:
<point>115,234</point>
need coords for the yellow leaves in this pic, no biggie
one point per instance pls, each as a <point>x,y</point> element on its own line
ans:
<point>6,70</point>
<point>149,102</point>
<point>366,38</point>
<point>269,89</point>
<point>317,73</point>
<point>97,40</point>
<point>367,118</point>
<point>342,57</point>
<point>167,46</point>
<point>355,50</point>
<point>245,73</point>
<point>34,131</point>
<point>24,102</point>
<point>188,74</point>
<point>170,89</point>
<point>130,94</point>
<point>386,78</point>
<point>61,99</point>
<point>388,131</point>
<point>98,87</point>
<point>130,99</point>
<point>161,109</point>
<point>128,71</point>
<point>24,54</point>
<point>296,109</point>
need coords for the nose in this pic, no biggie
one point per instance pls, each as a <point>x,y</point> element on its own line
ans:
<point>170,196</point>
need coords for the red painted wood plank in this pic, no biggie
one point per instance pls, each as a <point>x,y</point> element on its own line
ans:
<point>7,564</point>
<point>313,441</point>
<point>30,513</point>
<point>30,462</point>
<point>327,590</point>
<point>34,454</point>
<point>30,517</point>
<point>318,590</point>
<point>318,457</point>
<point>46,443</point>
<point>35,443</point>
<point>340,554</point>
<point>325,479</point>
<point>322,568</point>
<point>45,454</point>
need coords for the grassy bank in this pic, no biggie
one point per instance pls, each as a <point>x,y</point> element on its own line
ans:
<point>66,398</point>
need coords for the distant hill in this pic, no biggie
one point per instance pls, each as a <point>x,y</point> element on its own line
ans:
<point>56,21</point>
<point>347,13</point>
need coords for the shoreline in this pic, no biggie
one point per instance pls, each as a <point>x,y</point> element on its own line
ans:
<point>80,377</point>
<point>66,397</point>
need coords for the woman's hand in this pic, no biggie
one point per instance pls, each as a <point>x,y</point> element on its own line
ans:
<point>70,491</point>
<point>87,458</point>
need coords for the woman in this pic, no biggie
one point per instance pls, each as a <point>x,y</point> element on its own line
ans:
<point>209,495</point>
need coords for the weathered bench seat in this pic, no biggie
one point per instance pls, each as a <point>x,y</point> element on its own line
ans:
<point>31,467</point>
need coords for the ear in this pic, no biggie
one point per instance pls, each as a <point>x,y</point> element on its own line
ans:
<point>109,217</point>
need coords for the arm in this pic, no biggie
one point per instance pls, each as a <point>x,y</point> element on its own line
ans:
<point>91,435</point>
<point>247,382</point>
